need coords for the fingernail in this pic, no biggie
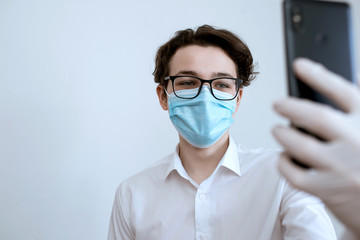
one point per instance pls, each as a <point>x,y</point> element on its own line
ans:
<point>276,129</point>
<point>279,127</point>
<point>277,105</point>
<point>301,65</point>
<point>302,60</point>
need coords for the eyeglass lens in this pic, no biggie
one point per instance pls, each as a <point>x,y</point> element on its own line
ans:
<point>223,88</point>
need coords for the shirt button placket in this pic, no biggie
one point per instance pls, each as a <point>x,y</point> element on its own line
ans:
<point>202,215</point>
<point>202,237</point>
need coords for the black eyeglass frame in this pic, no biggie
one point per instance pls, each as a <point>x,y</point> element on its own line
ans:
<point>239,81</point>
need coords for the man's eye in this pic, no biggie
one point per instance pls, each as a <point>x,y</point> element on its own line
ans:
<point>187,83</point>
<point>222,85</point>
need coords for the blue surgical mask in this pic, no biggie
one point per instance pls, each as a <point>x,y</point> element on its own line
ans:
<point>203,120</point>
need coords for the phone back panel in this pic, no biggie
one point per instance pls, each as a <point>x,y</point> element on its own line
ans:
<point>320,31</point>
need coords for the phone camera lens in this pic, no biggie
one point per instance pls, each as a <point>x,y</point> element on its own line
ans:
<point>296,18</point>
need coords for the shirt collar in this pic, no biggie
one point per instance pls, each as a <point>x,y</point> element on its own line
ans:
<point>176,164</point>
<point>230,161</point>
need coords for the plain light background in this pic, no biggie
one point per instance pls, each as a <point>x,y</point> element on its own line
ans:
<point>78,107</point>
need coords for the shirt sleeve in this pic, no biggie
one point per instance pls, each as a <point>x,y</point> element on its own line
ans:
<point>120,226</point>
<point>304,217</point>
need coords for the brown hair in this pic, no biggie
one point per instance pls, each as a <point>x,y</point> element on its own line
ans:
<point>206,35</point>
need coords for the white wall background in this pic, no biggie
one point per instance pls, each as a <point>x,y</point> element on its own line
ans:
<point>78,108</point>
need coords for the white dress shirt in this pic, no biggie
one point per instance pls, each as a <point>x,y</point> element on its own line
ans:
<point>244,198</point>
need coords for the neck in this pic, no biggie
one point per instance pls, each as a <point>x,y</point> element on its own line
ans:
<point>200,163</point>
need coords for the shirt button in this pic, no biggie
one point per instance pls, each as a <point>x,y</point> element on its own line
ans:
<point>202,197</point>
<point>202,237</point>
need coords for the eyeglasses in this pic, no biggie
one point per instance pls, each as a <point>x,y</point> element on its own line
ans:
<point>222,88</point>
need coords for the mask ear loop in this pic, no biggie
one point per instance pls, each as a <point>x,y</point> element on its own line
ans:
<point>168,95</point>
<point>166,92</point>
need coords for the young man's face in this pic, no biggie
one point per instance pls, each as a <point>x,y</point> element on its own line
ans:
<point>203,62</point>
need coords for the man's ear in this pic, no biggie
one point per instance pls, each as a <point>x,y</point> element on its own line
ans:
<point>162,97</point>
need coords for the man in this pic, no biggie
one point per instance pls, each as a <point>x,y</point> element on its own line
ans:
<point>211,188</point>
<point>337,160</point>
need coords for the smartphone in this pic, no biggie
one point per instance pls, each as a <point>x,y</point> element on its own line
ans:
<point>321,31</point>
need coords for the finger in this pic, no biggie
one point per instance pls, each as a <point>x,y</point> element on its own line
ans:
<point>336,88</point>
<point>317,118</point>
<point>300,146</point>
<point>317,183</point>
<point>295,175</point>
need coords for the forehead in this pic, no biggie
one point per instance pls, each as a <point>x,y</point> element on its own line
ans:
<point>203,60</point>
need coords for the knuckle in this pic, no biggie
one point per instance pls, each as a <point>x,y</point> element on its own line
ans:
<point>297,181</point>
<point>318,68</point>
<point>354,99</point>
<point>324,116</point>
<point>308,149</point>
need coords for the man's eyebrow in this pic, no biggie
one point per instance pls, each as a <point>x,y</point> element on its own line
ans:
<point>222,74</point>
<point>187,72</point>
<point>214,75</point>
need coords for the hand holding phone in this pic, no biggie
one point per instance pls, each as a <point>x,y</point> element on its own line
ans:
<point>336,161</point>
<point>322,32</point>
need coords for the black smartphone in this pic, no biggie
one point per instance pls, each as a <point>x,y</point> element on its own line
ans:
<point>321,31</point>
